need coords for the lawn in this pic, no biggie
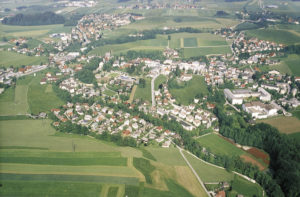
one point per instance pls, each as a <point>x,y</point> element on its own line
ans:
<point>159,80</point>
<point>293,63</point>
<point>187,94</point>
<point>209,173</point>
<point>144,93</point>
<point>286,125</point>
<point>8,59</point>
<point>295,136</point>
<point>109,92</point>
<point>279,36</point>
<point>218,145</point>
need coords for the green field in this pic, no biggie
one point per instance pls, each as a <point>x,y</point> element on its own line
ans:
<point>190,42</point>
<point>278,36</point>
<point>170,156</point>
<point>109,92</point>
<point>202,51</point>
<point>144,93</point>
<point>218,145</point>
<point>8,59</point>
<point>159,80</point>
<point>292,61</point>
<point>209,173</point>
<point>287,125</point>
<point>242,186</point>
<point>153,44</point>
<point>187,94</point>
<point>28,97</point>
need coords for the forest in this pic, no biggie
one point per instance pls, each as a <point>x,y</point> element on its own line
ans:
<point>46,18</point>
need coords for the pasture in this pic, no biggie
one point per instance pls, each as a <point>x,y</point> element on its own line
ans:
<point>187,94</point>
<point>202,51</point>
<point>287,125</point>
<point>278,36</point>
<point>170,156</point>
<point>144,93</point>
<point>242,186</point>
<point>8,59</point>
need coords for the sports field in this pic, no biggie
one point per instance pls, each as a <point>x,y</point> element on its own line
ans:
<point>8,59</point>
<point>187,94</point>
<point>286,125</point>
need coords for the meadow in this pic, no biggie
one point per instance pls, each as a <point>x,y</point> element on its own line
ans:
<point>28,97</point>
<point>278,36</point>
<point>187,94</point>
<point>144,93</point>
<point>220,146</point>
<point>8,59</point>
<point>287,125</point>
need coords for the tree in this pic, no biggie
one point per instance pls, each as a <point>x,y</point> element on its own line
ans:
<point>142,83</point>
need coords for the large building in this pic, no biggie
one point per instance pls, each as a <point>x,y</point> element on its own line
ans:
<point>264,95</point>
<point>259,110</point>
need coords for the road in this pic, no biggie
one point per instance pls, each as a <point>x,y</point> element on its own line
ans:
<point>152,90</point>
<point>31,72</point>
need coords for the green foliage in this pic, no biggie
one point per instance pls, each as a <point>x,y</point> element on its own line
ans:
<point>85,76</point>
<point>142,83</point>
<point>161,79</point>
<point>45,18</point>
<point>144,93</point>
<point>145,167</point>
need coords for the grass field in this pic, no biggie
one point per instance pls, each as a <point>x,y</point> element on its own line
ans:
<point>169,156</point>
<point>218,145</point>
<point>144,93</point>
<point>190,42</point>
<point>286,125</point>
<point>159,80</point>
<point>209,173</point>
<point>32,31</point>
<point>29,97</point>
<point>109,92</point>
<point>202,51</point>
<point>187,94</point>
<point>292,61</point>
<point>279,36</point>
<point>8,59</point>
<point>242,186</point>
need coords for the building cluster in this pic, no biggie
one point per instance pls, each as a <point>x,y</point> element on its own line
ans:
<point>90,27</point>
<point>21,46</point>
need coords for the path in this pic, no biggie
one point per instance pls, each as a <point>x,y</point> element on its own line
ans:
<point>236,109</point>
<point>191,167</point>
<point>152,90</point>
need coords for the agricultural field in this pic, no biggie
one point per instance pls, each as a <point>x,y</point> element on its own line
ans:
<point>159,43</point>
<point>187,94</point>
<point>8,59</point>
<point>144,93</point>
<point>32,31</point>
<point>28,97</point>
<point>159,80</point>
<point>203,51</point>
<point>292,61</point>
<point>220,146</point>
<point>242,186</point>
<point>278,36</point>
<point>287,125</point>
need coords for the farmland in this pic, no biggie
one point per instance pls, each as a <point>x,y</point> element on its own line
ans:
<point>279,36</point>
<point>187,94</point>
<point>286,125</point>
<point>8,59</point>
<point>28,96</point>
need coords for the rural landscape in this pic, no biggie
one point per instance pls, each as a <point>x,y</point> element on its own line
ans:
<point>150,98</point>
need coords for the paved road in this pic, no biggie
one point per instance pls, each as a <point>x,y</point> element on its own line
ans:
<point>152,90</point>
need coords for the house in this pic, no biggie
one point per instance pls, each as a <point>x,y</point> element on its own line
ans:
<point>166,144</point>
<point>221,194</point>
<point>264,95</point>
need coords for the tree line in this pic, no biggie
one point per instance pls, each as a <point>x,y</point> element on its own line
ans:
<point>45,18</point>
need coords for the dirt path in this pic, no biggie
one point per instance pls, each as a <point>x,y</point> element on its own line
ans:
<point>132,94</point>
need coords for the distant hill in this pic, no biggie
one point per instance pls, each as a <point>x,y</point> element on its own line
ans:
<point>46,18</point>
